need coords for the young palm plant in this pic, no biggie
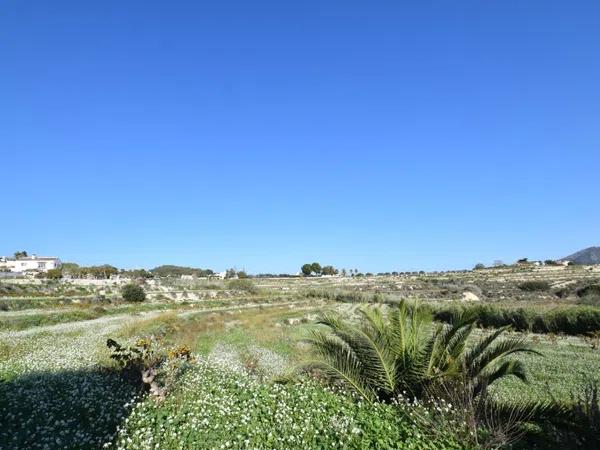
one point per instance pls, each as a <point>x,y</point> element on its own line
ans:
<point>404,352</point>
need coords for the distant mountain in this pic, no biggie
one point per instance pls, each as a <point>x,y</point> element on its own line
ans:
<point>587,256</point>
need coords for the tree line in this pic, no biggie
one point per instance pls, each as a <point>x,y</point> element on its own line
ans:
<point>316,269</point>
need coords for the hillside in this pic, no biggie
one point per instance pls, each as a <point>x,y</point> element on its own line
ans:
<point>590,255</point>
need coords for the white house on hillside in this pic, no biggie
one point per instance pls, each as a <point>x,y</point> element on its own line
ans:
<point>30,263</point>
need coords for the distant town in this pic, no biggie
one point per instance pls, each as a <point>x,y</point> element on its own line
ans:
<point>23,264</point>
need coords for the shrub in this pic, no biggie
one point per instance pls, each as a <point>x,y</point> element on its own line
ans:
<point>351,297</point>
<point>54,274</point>
<point>385,355</point>
<point>534,285</point>
<point>133,293</point>
<point>573,320</point>
<point>592,289</point>
<point>243,284</point>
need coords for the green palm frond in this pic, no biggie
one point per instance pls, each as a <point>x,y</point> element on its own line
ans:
<point>483,345</point>
<point>387,353</point>
<point>338,362</point>
<point>510,367</point>
<point>496,351</point>
<point>534,412</point>
<point>372,350</point>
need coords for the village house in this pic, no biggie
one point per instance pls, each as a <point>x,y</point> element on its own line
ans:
<point>29,263</point>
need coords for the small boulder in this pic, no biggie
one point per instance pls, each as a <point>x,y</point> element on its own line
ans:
<point>470,297</point>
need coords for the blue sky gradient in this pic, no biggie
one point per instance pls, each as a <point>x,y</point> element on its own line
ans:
<point>373,135</point>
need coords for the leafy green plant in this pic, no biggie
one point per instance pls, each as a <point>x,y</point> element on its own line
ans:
<point>133,360</point>
<point>133,293</point>
<point>214,406</point>
<point>385,355</point>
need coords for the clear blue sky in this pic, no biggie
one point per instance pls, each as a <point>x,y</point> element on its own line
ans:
<point>373,135</point>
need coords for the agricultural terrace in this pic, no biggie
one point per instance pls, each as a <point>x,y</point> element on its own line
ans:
<point>221,361</point>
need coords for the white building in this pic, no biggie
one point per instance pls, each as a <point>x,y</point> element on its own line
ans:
<point>219,275</point>
<point>30,263</point>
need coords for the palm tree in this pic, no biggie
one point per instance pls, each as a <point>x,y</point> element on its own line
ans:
<point>403,351</point>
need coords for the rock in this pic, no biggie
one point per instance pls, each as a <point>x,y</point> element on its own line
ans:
<point>470,297</point>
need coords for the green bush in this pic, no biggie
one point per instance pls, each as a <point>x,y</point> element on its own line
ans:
<point>534,285</point>
<point>592,289</point>
<point>569,320</point>
<point>53,274</point>
<point>133,293</point>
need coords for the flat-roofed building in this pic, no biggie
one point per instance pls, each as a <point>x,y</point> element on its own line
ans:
<point>29,263</point>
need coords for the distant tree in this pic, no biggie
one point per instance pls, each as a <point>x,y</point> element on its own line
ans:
<point>53,274</point>
<point>479,266</point>
<point>133,293</point>
<point>137,273</point>
<point>230,273</point>
<point>344,273</point>
<point>71,269</point>
<point>21,254</point>
<point>523,261</point>
<point>316,268</point>
<point>550,262</point>
<point>242,274</point>
<point>306,270</point>
<point>329,270</point>
<point>103,272</point>
<point>177,271</point>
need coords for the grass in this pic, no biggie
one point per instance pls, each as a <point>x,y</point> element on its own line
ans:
<point>37,320</point>
<point>266,327</point>
<point>560,372</point>
<point>87,312</point>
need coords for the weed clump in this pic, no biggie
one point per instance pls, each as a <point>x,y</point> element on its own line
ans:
<point>534,286</point>
<point>243,284</point>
